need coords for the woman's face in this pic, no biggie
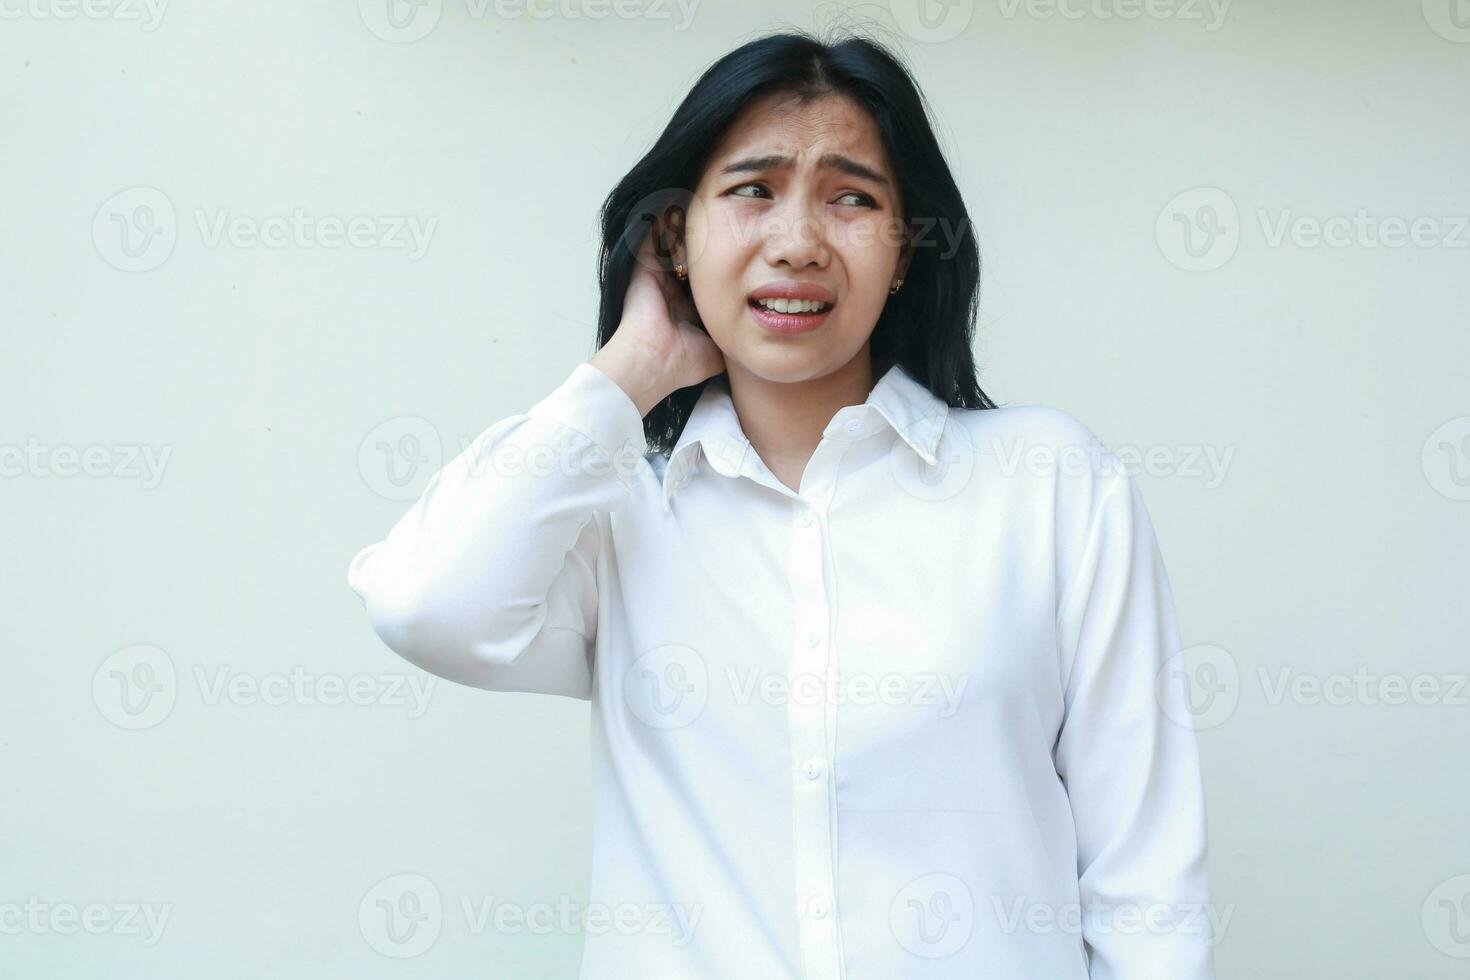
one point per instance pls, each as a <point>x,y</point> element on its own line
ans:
<point>795,195</point>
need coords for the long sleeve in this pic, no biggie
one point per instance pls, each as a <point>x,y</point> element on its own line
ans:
<point>1127,754</point>
<point>490,579</point>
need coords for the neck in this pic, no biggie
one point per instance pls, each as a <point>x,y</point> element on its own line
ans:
<point>784,421</point>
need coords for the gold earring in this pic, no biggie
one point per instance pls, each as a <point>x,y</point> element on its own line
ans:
<point>896,284</point>
<point>679,271</point>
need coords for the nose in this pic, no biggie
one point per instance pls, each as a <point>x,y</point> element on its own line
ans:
<point>795,236</point>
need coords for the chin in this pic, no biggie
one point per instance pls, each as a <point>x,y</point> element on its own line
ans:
<point>788,367</point>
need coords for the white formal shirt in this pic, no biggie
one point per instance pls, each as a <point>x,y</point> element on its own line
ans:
<point>921,718</point>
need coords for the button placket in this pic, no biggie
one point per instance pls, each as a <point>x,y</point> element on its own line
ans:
<point>808,720</point>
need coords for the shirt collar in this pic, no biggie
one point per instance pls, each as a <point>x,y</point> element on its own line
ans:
<point>713,431</point>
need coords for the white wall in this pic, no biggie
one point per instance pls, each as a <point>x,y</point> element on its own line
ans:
<point>1329,382</point>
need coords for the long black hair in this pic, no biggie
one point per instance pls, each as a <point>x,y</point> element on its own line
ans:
<point>928,326</point>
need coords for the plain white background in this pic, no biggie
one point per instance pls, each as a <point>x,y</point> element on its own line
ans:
<point>1198,228</point>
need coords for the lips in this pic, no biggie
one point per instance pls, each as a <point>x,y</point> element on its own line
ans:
<point>793,289</point>
<point>788,323</point>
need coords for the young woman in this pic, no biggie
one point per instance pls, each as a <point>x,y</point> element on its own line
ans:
<point>880,674</point>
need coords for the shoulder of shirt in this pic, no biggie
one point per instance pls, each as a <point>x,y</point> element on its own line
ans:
<point>1038,424</point>
<point>1072,453</point>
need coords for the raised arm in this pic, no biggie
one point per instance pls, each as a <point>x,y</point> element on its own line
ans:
<point>490,579</point>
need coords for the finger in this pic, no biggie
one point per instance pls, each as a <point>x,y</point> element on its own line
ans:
<point>646,257</point>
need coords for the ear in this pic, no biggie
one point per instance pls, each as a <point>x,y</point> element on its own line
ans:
<point>671,224</point>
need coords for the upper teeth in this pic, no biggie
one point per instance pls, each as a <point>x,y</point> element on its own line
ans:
<point>793,305</point>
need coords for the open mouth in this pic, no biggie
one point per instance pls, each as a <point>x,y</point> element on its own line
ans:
<point>791,307</point>
<point>789,315</point>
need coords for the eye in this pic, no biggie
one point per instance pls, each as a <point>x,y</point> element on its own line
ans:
<point>743,186</point>
<point>863,199</point>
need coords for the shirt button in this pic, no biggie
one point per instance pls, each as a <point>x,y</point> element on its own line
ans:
<point>818,909</point>
<point>806,518</point>
<point>854,425</point>
<point>811,638</point>
<point>812,769</point>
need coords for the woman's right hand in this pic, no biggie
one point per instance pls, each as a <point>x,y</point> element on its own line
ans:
<point>657,348</point>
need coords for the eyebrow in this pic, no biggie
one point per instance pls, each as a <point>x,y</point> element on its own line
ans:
<point>829,161</point>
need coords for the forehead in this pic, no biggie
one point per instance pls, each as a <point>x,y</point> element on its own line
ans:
<point>780,124</point>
